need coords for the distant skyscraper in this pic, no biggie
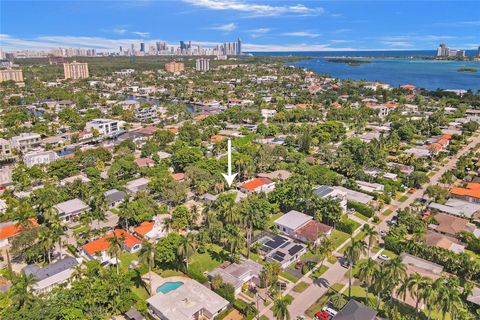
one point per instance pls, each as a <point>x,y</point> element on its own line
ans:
<point>133,49</point>
<point>142,47</point>
<point>183,46</point>
<point>239,47</point>
<point>478,53</point>
<point>121,49</point>
<point>443,50</point>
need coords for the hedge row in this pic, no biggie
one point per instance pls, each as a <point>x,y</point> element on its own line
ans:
<point>361,208</point>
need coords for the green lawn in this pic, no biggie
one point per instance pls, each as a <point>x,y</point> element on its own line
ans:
<point>288,276</point>
<point>318,273</point>
<point>126,259</point>
<point>169,273</point>
<point>403,198</point>
<point>387,212</point>
<point>208,260</point>
<point>389,254</point>
<point>358,237</point>
<point>473,255</point>
<point>332,259</point>
<point>338,237</point>
<point>300,287</point>
<point>361,216</point>
<point>337,287</point>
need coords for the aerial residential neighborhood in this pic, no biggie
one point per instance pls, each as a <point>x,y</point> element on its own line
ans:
<point>204,180</point>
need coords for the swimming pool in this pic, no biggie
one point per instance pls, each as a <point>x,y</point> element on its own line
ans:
<point>169,286</point>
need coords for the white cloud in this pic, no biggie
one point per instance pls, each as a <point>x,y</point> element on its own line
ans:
<point>256,9</point>
<point>290,47</point>
<point>260,30</point>
<point>141,34</point>
<point>225,27</point>
<point>398,44</point>
<point>473,23</point>
<point>119,30</point>
<point>307,34</point>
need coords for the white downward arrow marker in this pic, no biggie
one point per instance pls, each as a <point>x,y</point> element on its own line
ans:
<point>229,177</point>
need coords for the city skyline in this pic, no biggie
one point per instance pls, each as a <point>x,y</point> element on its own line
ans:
<point>262,25</point>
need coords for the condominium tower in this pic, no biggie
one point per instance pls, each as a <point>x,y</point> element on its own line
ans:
<point>75,70</point>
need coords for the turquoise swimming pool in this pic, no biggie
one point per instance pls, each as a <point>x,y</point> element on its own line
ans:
<point>169,286</point>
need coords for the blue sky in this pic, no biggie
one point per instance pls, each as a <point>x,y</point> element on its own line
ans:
<point>262,25</point>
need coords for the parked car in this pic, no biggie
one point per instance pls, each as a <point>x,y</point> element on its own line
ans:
<point>282,285</point>
<point>383,233</point>
<point>330,311</point>
<point>383,257</point>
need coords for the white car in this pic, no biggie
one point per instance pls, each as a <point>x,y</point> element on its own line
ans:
<point>330,311</point>
<point>383,257</point>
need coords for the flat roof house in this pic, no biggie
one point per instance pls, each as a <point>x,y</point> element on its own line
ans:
<point>258,185</point>
<point>39,157</point>
<point>281,249</point>
<point>326,192</point>
<point>97,249</point>
<point>69,210</point>
<point>190,300</point>
<point>237,274</point>
<point>51,275</point>
<point>458,207</point>
<point>136,185</point>
<point>302,227</point>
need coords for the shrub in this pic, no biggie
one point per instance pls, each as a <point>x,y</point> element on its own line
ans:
<point>226,291</point>
<point>361,208</point>
<point>248,310</point>
<point>197,275</point>
<point>347,225</point>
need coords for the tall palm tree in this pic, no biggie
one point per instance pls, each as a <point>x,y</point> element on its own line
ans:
<point>448,298</point>
<point>326,249</point>
<point>280,308</point>
<point>249,215</point>
<point>396,271</point>
<point>414,284</point>
<point>147,255</point>
<point>428,291</point>
<point>186,247</point>
<point>366,272</point>
<point>352,254</point>
<point>372,236</point>
<point>380,283</point>
<point>116,247</point>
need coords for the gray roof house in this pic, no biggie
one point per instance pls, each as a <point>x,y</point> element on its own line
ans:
<point>114,197</point>
<point>136,185</point>
<point>459,208</point>
<point>237,274</point>
<point>354,310</point>
<point>70,209</point>
<point>52,274</point>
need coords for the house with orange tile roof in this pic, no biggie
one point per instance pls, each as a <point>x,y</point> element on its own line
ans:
<point>471,193</point>
<point>144,162</point>
<point>152,230</point>
<point>408,87</point>
<point>257,185</point>
<point>8,230</point>
<point>217,138</point>
<point>98,249</point>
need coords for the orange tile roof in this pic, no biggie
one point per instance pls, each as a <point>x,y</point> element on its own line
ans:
<point>443,142</point>
<point>144,162</point>
<point>408,86</point>
<point>472,190</point>
<point>217,138</point>
<point>447,136</point>
<point>173,130</point>
<point>144,228</point>
<point>256,183</point>
<point>179,176</point>
<point>102,244</point>
<point>14,229</point>
<point>391,105</point>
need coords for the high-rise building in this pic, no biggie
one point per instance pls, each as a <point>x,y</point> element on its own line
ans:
<point>75,70</point>
<point>239,47</point>
<point>11,74</point>
<point>183,46</point>
<point>202,64</point>
<point>121,49</point>
<point>142,47</point>
<point>174,67</point>
<point>478,53</point>
<point>443,50</point>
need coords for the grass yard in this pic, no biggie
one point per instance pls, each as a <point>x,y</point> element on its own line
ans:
<point>170,273</point>
<point>126,259</point>
<point>337,287</point>
<point>389,254</point>
<point>332,259</point>
<point>358,237</point>
<point>403,198</point>
<point>318,272</point>
<point>361,216</point>
<point>207,261</point>
<point>338,237</point>
<point>300,287</point>
<point>288,276</point>
<point>387,212</point>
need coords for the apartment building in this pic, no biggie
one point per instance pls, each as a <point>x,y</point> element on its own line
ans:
<point>202,64</point>
<point>26,141</point>
<point>104,126</point>
<point>174,67</point>
<point>39,157</point>
<point>11,75</point>
<point>75,70</point>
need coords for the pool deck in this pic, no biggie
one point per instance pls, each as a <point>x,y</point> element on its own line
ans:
<point>157,280</point>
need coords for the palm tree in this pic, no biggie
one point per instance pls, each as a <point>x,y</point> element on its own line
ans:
<point>21,294</point>
<point>147,255</point>
<point>372,236</point>
<point>448,298</point>
<point>280,308</point>
<point>366,272</point>
<point>380,283</point>
<point>414,284</point>
<point>396,271</point>
<point>428,291</point>
<point>116,246</point>
<point>352,254</point>
<point>249,215</point>
<point>326,249</point>
<point>186,248</point>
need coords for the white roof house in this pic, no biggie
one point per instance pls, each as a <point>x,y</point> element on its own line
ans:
<point>136,185</point>
<point>67,210</point>
<point>292,220</point>
<point>189,301</point>
<point>458,207</point>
